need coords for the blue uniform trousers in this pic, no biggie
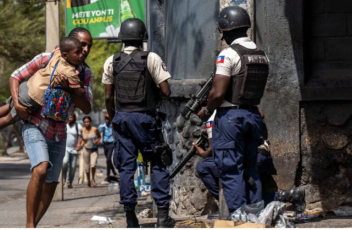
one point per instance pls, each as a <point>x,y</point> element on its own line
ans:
<point>236,134</point>
<point>133,132</point>
<point>209,174</point>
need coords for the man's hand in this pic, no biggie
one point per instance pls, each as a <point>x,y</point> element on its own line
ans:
<point>202,116</point>
<point>22,111</point>
<point>200,151</point>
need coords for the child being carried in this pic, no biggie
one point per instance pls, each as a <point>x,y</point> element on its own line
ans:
<point>65,61</point>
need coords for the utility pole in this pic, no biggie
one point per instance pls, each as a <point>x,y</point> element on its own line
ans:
<point>52,39</point>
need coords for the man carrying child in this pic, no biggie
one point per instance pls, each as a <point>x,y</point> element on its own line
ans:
<point>45,140</point>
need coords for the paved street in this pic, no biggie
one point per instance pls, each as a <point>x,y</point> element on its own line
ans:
<point>82,203</point>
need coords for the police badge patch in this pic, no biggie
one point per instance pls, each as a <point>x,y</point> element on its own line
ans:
<point>164,66</point>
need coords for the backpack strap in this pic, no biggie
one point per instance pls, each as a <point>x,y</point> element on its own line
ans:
<point>103,132</point>
<point>52,74</point>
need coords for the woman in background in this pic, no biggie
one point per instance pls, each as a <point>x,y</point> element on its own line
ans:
<point>89,139</point>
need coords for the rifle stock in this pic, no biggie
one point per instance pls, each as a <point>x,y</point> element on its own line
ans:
<point>200,142</point>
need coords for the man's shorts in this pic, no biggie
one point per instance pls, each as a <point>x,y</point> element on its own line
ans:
<point>40,149</point>
<point>24,99</point>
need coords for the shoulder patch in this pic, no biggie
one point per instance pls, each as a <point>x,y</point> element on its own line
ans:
<point>208,124</point>
<point>220,59</point>
<point>164,66</point>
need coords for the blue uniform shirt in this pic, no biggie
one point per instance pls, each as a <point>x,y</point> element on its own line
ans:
<point>108,137</point>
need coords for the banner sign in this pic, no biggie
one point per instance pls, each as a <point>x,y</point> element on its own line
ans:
<point>102,17</point>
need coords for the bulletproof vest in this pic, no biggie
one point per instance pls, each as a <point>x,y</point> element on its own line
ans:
<point>247,87</point>
<point>135,89</point>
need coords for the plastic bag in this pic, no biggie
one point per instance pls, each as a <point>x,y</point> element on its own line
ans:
<point>274,215</point>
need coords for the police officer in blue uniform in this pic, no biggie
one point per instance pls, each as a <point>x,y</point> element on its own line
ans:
<point>139,78</point>
<point>209,174</point>
<point>240,78</point>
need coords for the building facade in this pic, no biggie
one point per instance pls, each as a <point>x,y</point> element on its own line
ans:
<point>307,103</point>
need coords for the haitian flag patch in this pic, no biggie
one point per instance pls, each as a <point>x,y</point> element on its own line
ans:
<point>208,124</point>
<point>164,66</point>
<point>220,59</point>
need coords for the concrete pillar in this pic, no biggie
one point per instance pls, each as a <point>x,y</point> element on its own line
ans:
<point>52,38</point>
<point>52,25</point>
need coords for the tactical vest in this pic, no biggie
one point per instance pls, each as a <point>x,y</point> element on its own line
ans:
<point>135,89</point>
<point>247,87</point>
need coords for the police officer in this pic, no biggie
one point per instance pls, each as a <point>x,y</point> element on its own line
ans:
<point>239,83</point>
<point>139,79</point>
<point>209,174</point>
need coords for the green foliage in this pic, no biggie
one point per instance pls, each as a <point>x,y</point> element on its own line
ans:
<point>100,51</point>
<point>22,36</point>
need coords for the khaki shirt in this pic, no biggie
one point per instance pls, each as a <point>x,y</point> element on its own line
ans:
<point>156,67</point>
<point>39,82</point>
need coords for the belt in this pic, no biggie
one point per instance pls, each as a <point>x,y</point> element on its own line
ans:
<point>247,107</point>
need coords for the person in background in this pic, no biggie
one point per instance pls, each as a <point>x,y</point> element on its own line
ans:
<point>89,140</point>
<point>108,143</point>
<point>70,159</point>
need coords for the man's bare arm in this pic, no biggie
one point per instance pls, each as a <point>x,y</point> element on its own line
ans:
<point>109,100</point>
<point>217,94</point>
<point>165,89</point>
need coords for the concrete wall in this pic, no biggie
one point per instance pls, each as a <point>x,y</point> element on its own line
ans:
<point>308,44</point>
<point>191,38</point>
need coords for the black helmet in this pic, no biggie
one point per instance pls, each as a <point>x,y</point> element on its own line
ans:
<point>133,29</point>
<point>233,17</point>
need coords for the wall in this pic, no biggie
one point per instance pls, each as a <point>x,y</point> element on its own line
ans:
<point>191,38</point>
<point>184,34</point>
<point>306,103</point>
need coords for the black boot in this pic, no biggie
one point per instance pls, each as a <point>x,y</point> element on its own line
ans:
<point>296,197</point>
<point>213,216</point>
<point>131,219</point>
<point>164,221</point>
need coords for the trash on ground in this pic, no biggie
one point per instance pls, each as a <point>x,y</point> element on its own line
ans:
<point>310,215</point>
<point>103,219</point>
<point>114,187</point>
<point>146,213</point>
<point>274,215</point>
<point>343,211</point>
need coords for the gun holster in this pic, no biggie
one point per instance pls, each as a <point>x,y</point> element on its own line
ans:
<point>164,154</point>
<point>163,151</point>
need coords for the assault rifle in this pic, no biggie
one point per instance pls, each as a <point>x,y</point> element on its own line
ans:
<point>203,139</point>
<point>199,99</point>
